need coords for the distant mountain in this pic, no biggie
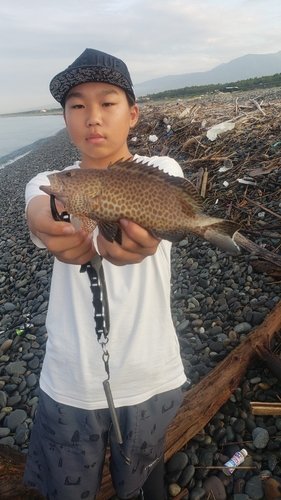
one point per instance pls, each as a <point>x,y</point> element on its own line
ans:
<point>242,68</point>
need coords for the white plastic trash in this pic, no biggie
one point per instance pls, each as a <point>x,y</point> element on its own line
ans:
<point>153,138</point>
<point>219,128</point>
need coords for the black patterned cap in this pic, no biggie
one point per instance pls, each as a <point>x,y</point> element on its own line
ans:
<point>92,66</point>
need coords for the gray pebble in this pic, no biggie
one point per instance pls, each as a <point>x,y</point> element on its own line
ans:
<point>4,432</point>
<point>22,434</point>
<point>7,441</point>
<point>15,418</point>
<point>33,364</point>
<point>177,462</point>
<point>6,345</point>
<point>186,476</point>
<point>3,399</point>
<point>9,307</point>
<point>18,367</point>
<point>197,493</point>
<point>260,437</point>
<point>31,380</point>
<point>242,328</point>
<point>254,488</point>
<point>14,400</point>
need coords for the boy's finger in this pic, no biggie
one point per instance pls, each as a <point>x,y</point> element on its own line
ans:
<point>138,233</point>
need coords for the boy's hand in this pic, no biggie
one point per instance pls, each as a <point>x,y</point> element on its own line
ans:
<point>137,243</point>
<point>77,247</point>
<point>59,238</point>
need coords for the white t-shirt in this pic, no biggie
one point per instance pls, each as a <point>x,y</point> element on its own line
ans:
<point>144,355</point>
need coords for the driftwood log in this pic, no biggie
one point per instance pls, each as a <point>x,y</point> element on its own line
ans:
<point>200,404</point>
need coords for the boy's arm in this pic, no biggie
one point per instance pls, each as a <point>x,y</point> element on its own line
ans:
<point>77,247</point>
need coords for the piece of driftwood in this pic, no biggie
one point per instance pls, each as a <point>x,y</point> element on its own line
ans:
<point>200,404</point>
<point>203,401</point>
<point>12,465</point>
<point>258,408</point>
<point>249,245</point>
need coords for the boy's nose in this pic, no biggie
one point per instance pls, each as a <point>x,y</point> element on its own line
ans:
<point>93,118</point>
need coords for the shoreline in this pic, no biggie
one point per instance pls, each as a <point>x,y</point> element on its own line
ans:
<point>16,155</point>
<point>48,112</point>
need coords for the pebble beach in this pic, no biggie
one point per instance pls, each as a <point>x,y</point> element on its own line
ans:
<point>216,301</point>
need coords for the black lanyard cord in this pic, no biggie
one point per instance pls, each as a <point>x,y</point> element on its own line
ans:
<point>96,276</point>
<point>95,273</point>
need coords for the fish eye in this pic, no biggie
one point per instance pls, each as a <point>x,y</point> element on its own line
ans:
<point>69,174</point>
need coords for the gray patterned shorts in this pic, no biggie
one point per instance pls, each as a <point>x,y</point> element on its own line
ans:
<point>67,446</point>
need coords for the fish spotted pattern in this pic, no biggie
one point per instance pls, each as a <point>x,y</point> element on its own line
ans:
<point>168,207</point>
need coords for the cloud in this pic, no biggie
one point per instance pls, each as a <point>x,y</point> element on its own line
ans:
<point>155,38</point>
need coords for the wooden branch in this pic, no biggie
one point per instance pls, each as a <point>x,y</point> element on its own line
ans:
<point>249,245</point>
<point>204,183</point>
<point>258,106</point>
<point>187,163</point>
<point>265,408</point>
<point>262,206</point>
<point>200,404</point>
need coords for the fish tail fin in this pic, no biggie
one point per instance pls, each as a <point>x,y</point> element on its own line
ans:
<point>219,232</point>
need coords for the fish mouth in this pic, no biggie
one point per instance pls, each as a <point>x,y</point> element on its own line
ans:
<point>48,190</point>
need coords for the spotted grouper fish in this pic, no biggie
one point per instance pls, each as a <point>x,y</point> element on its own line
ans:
<point>168,207</point>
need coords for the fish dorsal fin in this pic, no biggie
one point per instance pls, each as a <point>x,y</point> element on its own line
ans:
<point>185,189</point>
<point>137,168</point>
<point>187,193</point>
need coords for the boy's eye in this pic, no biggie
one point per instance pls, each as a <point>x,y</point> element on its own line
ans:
<point>78,106</point>
<point>107,104</point>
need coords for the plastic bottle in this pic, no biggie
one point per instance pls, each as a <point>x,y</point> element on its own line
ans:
<point>236,460</point>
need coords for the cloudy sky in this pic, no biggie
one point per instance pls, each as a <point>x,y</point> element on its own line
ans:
<point>40,38</point>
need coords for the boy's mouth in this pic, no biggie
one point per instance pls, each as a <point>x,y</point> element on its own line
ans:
<point>95,138</point>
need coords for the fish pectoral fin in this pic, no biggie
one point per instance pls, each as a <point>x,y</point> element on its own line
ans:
<point>93,201</point>
<point>220,232</point>
<point>111,231</point>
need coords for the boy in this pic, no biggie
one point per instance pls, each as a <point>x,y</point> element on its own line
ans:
<point>73,423</point>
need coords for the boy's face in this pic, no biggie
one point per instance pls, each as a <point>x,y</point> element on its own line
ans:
<point>98,118</point>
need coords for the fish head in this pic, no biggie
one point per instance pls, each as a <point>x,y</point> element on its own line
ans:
<point>59,186</point>
<point>75,189</point>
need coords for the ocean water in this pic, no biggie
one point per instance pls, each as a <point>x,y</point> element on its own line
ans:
<point>20,134</point>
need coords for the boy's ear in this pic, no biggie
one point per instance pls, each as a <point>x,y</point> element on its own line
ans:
<point>134,111</point>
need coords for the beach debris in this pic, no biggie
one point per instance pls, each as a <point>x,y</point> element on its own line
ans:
<point>227,165</point>
<point>218,129</point>
<point>168,207</point>
<point>246,181</point>
<point>252,148</point>
<point>153,138</point>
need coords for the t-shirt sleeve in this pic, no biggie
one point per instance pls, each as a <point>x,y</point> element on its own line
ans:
<point>165,163</point>
<point>33,187</point>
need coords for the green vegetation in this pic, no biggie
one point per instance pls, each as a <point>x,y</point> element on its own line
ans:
<point>243,85</point>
